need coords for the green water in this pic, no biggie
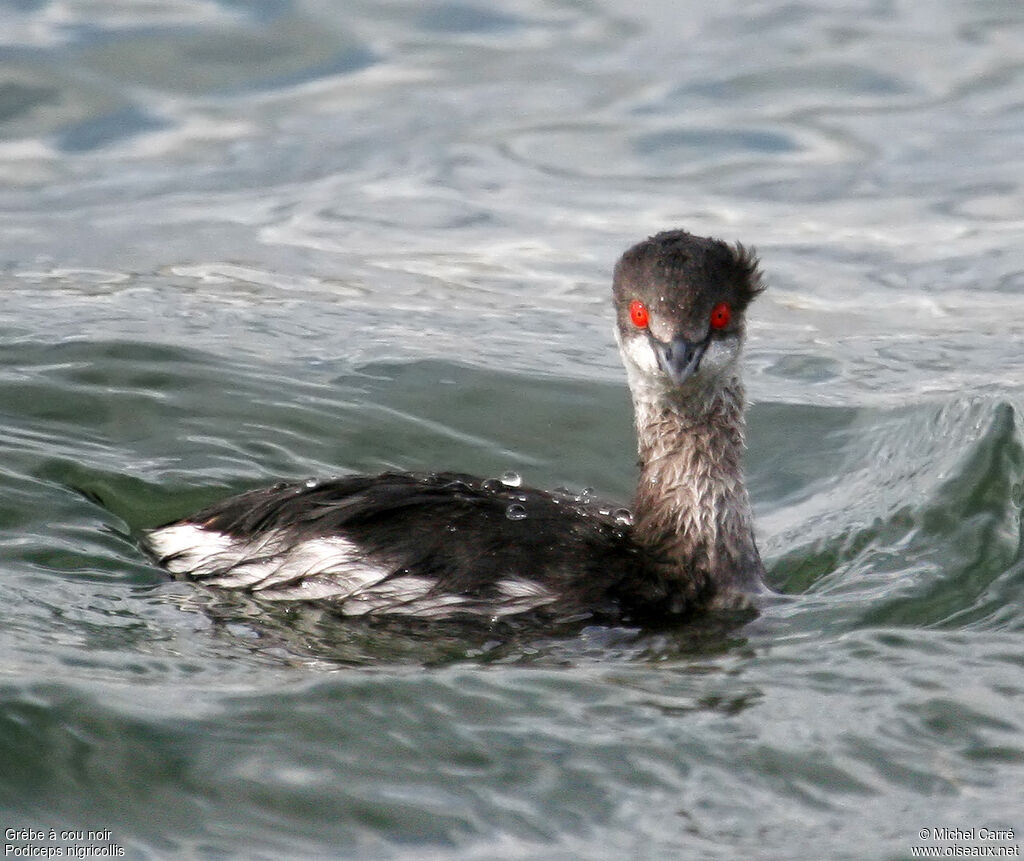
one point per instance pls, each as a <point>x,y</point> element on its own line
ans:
<point>883,686</point>
<point>246,241</point>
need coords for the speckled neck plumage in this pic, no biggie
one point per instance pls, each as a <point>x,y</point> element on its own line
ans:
<point>691,507</point>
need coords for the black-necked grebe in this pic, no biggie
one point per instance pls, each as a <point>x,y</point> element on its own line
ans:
<point>439,545</point>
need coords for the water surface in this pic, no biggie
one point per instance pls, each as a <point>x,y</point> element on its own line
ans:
<point>244,242</point>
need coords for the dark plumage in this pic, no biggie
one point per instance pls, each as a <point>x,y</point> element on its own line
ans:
<point>443,544</point>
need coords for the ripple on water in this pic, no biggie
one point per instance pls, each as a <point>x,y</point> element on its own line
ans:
<point>921,525</point>
<point>218,214</point>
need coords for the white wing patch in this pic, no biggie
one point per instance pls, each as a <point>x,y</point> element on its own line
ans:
<point>186,548</point>
<point>516,587</point>
<point>324,568</point>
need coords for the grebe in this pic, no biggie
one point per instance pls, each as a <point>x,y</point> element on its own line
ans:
<point>439,545</point>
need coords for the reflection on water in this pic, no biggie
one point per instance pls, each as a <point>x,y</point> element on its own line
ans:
<point>252,241</point>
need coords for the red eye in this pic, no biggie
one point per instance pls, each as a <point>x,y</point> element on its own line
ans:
<point>639,314</point>
<point>720,315</point>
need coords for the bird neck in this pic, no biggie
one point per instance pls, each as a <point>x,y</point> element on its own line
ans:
<point>692,511</point>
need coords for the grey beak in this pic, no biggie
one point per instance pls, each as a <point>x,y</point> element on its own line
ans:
<point>680,358</point>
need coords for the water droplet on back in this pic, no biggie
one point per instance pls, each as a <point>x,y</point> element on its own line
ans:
<point>511,479</point>
<point>311,482</point>
<point>516,511</point>
<point>623,516</point>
